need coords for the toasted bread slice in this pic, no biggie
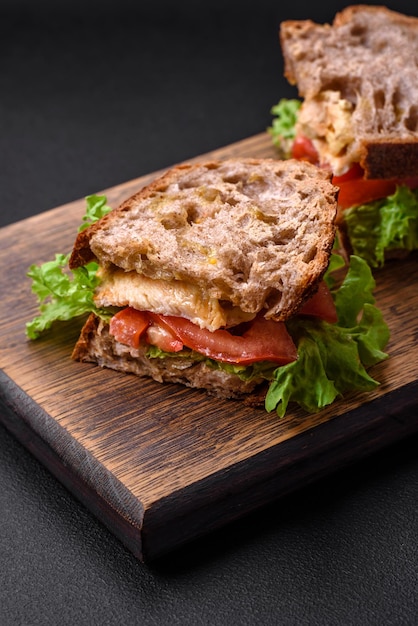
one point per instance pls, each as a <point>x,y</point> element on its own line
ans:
<point>253,233</point>
<point>358,78</point>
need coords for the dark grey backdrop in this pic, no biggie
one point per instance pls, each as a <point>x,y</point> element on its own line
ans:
<point>96,93</point>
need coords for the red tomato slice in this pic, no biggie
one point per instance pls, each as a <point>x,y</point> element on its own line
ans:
<point>304,150</point>
<point>355,171</point>
<point>355,190</point>
<point>265,340</point>
<point>128,325</point>
<point>321,305</point>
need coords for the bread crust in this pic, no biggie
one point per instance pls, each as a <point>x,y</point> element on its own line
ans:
<point>389,158</point>
<point>348,14</point>
<point>368,55</point>
<point>256,233</point>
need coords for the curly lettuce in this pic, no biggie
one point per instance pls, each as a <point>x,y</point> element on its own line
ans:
<point>333,357</point>
<point>62,293</point>
<point>376,228</point>
<point>96,207</point>
<point>282,129</point>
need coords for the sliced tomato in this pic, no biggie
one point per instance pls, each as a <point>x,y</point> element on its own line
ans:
<point>353,173</point>
<point>304,150</point>
<point>128,325</point>
<point>321,305</point>
<point>356,190</point>
<point>265,340</point>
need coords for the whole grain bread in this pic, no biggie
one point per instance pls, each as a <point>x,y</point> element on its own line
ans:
<point>368,59</point>
<point>96,345</point>
<point>256,233</point>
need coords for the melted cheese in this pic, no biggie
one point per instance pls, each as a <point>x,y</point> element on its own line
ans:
<point>180,298</point>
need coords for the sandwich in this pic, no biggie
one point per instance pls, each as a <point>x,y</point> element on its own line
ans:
<point>220,276</point>
<point>357,115</point>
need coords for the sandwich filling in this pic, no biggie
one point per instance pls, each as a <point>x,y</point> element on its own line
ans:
<point>178,298</point>
<point>250,340</point>
<point>326,121</point>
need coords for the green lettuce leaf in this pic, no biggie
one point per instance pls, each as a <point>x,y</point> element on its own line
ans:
<point>96,207</point>
<point>389,224</point>
<point>333,357</point>
<point>62,293</point>
<point>282,129</point>
<point>61,296</point>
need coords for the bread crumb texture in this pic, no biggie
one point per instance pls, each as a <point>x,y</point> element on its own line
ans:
<point>256,233</point>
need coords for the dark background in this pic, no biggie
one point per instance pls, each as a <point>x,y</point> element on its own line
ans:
<point>93,94</point>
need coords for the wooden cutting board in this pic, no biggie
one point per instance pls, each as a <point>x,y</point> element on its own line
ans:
<point>162,464</point>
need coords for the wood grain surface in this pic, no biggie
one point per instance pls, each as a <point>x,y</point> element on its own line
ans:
<point>162,464</point>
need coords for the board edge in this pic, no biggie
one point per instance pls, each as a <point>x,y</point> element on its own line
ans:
<point>109,501</point>
<point>281,470</point>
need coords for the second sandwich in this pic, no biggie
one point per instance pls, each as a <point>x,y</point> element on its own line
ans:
<point>358,118</point>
